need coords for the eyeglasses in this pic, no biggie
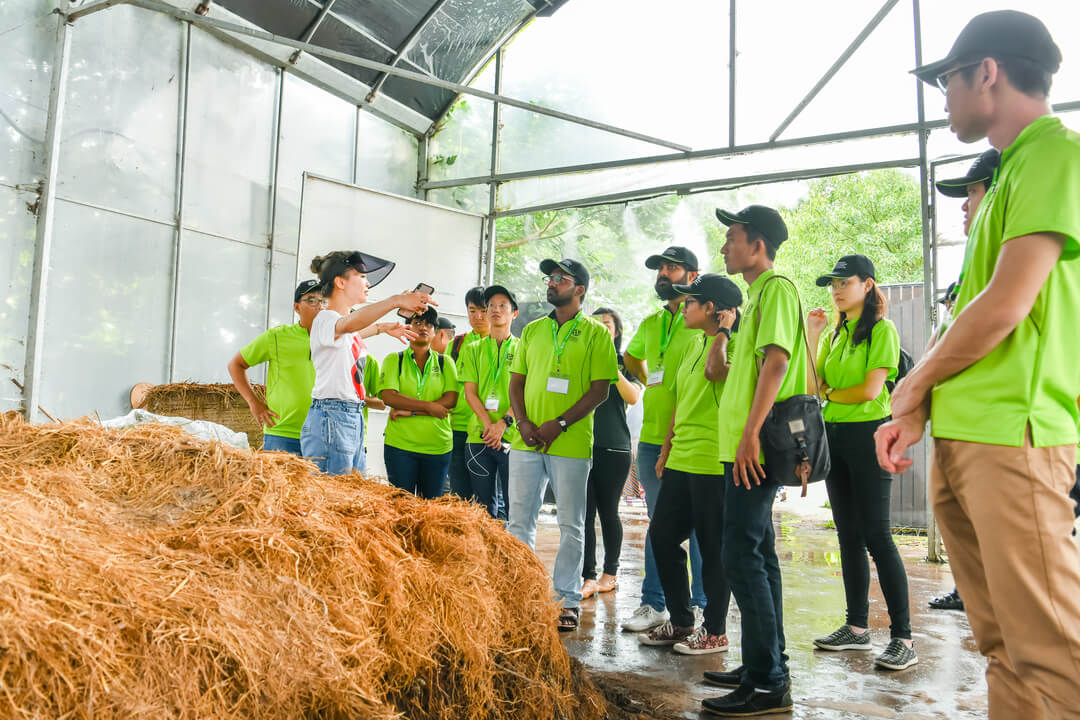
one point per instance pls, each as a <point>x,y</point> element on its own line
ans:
<point>942,80</point>
<point>557,278</point>
<point>839,283</point>
<point>313,301</point>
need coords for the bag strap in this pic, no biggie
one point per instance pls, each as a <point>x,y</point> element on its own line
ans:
<point>455,349</point>
<point>802,326</point>
<point>401,356</point>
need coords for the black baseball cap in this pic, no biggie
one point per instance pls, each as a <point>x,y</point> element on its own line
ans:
<point>674,254</point>
<point>568,266</point>
<point>430,316</point>
<point>982,170</point>
<point>847,266</point>
<point>711,286</point>
<point>494,290</point>
<point>950,293</point>
<point>764,219</point>
<point>998,34</point>
<point>308,286</point>
<point>443,323</point>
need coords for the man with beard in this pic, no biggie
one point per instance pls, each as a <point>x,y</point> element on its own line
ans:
<point>561,372</point>
<point>659,343</point>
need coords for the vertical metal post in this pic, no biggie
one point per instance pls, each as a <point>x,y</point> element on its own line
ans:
<point>421,166</point>
<point>487,267</point>
<point>275,155</point>
<point>46,220</point>
<point>181,168</point>
<point>731,79</point>
<point>933,554</point>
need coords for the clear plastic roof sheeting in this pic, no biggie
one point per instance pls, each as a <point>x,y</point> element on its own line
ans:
<point>447,39</point>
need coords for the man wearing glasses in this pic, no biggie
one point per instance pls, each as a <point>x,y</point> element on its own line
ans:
<point>561,372</point>
<point>290,374</point>
<point>1000,384</point>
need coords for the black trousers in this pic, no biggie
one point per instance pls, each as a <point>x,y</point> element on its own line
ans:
<point>691,503</point>
<point>859,493</point>
<point>606,481</point>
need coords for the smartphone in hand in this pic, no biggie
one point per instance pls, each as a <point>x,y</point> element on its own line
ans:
<point>420,288</point>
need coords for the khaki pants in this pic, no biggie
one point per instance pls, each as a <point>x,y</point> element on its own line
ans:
<point>1006,518</point>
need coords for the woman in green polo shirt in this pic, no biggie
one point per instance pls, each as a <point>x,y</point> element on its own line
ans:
<point>421,388</point>
<point>854,363</point>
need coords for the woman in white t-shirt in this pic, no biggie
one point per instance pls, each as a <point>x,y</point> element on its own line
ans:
<point>333,433</point>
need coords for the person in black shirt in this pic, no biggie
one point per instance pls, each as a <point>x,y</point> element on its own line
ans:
<point>610,466</point>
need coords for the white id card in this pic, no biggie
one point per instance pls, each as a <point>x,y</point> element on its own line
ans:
<point>558,385</point>
<point>492,403</point>
<point>655,377</point>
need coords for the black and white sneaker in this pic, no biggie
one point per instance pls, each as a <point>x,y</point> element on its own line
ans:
<point>897,656</point>
<point>747,702</point>
<point>844,639</point>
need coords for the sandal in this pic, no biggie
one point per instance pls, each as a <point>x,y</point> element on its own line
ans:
<point>607,583</point>
<point>568,619</point>
<point>588,589</point>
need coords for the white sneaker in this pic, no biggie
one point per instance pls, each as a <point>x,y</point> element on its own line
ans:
<point>699,616</point>
<point>645,618</point>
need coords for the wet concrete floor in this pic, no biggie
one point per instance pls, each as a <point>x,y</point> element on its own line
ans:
<point>948,682</point>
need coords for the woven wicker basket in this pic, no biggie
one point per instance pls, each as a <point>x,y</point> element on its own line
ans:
<point>221,404</point>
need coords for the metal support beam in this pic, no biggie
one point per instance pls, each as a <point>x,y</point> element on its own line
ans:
<point>731,77</point>
<point>870,27</point>
<point>237,29</point>
<point>422,167</point>
<point>406,46</point>
<point>328,5</point>
<point>275,163</point>
<point>46,221</point>
<point>181,169</point>
<point>710,186</point>
<point>90,8</point>
<point>488,272</point>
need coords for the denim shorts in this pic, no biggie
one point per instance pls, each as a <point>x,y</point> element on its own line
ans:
<point>333,436</point>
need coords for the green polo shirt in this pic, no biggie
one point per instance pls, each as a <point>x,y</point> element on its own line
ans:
<point>462,413</point>
<point>660,341</point>
<point>488,365</point>
<point>420,433</point>
<point>371,389</point>
<point>844,365</point>
<point>697,400</point>
<point>1031,377</point>
<point>781,325</point>
<point>587,354</point>
<point>289,376</point>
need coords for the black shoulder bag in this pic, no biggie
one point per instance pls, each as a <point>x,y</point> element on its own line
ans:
<point>793,437</point>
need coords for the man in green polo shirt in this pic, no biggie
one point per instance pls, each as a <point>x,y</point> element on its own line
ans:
<point>659,344</point>
<point>1000,384</point>
<point>769,365</point>
<point>691,498</point>
<point>457,480</point>
<point>289,377</point>
<point>561,373</point>
<point>485,372</point>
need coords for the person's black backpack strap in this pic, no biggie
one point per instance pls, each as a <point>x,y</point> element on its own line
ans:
<point>455,348</point>
<point>904,363</point>
<point>401,356</point>
<point>793,438</point>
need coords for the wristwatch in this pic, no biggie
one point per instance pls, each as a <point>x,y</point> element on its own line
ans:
<point>726,331</point>
<point>562,423</point>
<point>508,420</point>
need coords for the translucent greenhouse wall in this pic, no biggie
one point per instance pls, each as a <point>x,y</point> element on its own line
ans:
<point>177,199</point>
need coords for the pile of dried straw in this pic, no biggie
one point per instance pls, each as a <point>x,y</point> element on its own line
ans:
<point>149,575</point>
<point>219,403</point>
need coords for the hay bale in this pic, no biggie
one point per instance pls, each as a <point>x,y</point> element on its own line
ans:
<point>219,403</point>
<point>147,574</point>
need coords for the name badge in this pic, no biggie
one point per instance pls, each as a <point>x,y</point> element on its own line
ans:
<point>492,403</point>
<point>558,385</point>
<point>656,377</point>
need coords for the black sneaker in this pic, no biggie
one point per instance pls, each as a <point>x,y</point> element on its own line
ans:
<point>897,656</point>
<point>844,639</point>
<point>949,601</point>
<point>746,702</point>
<point>725,678</point>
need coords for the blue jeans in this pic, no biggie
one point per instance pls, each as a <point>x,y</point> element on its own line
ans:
<point>418,473</point>
<point>333,436</point>
<point>277,443</point>
<point>652,594</point>
<point>489,471</point>
<point>530,472</point>
<point>753,570</point>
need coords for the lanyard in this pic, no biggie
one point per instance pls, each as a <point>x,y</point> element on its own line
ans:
<point>667,332</point>
<point>496,358</point>
<point>555,337</point>
<point>421,380</point>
